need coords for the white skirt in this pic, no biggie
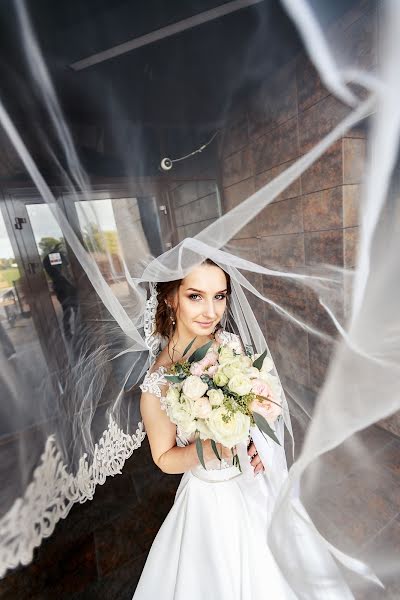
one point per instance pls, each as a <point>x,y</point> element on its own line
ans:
<point>213,542</point>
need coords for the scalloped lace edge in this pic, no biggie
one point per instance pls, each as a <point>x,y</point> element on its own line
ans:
<point>53,491</point>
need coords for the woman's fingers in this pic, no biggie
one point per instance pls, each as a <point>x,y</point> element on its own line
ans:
<point>256,462</point>
<point>251,450</point>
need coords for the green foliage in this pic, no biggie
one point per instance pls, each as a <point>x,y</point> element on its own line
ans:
<point>199,448</point>
<point>265,427</point>
<point>214,447</point>
<point>8,276</point>
<point>200,353</point>
<point>97,240</point>
<point>173,378</point>
<point>258,363</point>
<point>49,244</point>
<point>186,350</point>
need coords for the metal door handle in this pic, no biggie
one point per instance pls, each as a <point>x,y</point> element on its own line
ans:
<point>18,221</point>
<point>32,267</point>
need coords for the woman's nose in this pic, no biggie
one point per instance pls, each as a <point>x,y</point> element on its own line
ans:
<point>210,311</point>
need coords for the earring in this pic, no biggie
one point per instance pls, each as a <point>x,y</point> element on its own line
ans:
<point>171,315</point>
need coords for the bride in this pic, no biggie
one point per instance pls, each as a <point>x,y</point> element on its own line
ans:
<point>214,541</point>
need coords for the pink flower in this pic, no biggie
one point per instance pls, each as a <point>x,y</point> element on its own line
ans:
<point>261,388</point>
<point>197,368</point>
<point>269,410</point>
<point>210,359</point>
<point>212,370</point>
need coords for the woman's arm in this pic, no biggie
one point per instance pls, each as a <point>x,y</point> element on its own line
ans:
<point>161,432</point>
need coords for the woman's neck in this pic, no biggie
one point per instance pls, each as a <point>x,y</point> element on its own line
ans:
<point>181,340</point>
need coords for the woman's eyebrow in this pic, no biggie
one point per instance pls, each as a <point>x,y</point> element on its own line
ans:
<point>201,292</point>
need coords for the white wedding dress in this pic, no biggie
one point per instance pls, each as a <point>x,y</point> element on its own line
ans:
<point>213,542</point>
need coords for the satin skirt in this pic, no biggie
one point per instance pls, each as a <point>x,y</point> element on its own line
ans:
<point>213,542</point>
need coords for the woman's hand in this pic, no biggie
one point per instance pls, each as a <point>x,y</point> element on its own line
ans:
<point>223,451</point>
<point>256,462</point>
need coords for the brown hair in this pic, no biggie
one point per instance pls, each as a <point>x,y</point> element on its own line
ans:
<point>165,314</point>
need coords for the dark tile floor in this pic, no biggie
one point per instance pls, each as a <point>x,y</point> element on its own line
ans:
<point>98,552</point>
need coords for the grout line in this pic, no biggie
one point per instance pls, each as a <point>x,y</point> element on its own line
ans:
<point>373,537</point>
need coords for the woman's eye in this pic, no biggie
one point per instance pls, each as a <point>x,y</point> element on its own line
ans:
<point>195,296</point>
<point>220,296</point>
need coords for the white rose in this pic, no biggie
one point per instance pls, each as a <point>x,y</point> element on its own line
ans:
<point>235,344</point>
<point>183,414</point>
<point>240,384</point>
<point>202,408</point>
<point>229,433</point>
<point>236,366</point>
<point>225,355</point>
<point>172,395</point>
<point>267,365</point>
<point>204,430</point>
<point>194,387</point>
<point>220,379</point>
<point>253,373</point>
<point>216,397</point>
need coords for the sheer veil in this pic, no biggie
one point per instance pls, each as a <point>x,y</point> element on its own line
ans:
<point>65,434</point>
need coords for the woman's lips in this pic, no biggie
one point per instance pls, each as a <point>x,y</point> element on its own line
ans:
<point>205,324</point>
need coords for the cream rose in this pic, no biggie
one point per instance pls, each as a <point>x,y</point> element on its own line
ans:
<point>229,433</point>
<point>253,373</point>
<point>216,397</point>
<point>267,365</point>
<point>225,355</point>
<point>220,379</point>
<point>183,414</point>
<point>240,384</point>
<point>204,430</point>
<point>194,387</point>
<point>202,408</point>
<point>236,366</point>
<point>172,395</point>
<point>235,344</point>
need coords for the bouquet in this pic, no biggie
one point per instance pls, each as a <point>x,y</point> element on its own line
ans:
<point>219,392</point>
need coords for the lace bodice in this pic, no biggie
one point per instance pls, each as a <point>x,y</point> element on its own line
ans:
<point>155,380</point>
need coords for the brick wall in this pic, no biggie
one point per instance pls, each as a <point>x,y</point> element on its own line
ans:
<point>314,220</point>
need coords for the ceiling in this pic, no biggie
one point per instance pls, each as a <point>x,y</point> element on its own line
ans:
<point>184,82</point>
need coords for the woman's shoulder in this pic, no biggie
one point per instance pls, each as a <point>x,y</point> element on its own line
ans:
<point>154,379</point>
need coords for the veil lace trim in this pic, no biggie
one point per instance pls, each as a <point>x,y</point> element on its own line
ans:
<point>54,490</point>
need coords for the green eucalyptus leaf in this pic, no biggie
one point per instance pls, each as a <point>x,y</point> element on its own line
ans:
<point>199,448</point>
<point>186,350</point>
<point>173,378</point>
<point>258,363</point>
<point>265,427</point>
<point>214,447</point>
<point>200,352</point>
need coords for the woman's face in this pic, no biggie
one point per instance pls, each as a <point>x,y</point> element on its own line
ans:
<point>200,301</point>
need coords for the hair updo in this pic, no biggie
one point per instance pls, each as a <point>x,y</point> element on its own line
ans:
<point>165,321</point>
